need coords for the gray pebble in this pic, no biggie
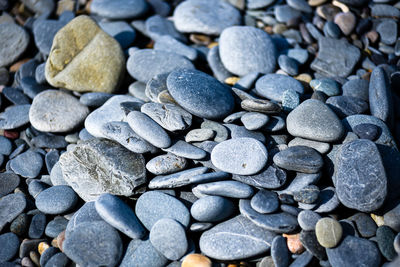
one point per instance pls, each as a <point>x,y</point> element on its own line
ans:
<point>299,158</point>
<point>56,200</point>
<point>212,209</point>
<point>272,86</point>
<point>232,189</point>
<point>265,201</point>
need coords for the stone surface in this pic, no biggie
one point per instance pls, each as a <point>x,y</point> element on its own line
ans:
<point>254,120</point>
<point>27,164</point>
<point>329,232</point>
<point>91,169</point>
<point>14,42</point>
<point>313,120</point>
<point>11,206</point>
<point>212,209</point>
<point>361,182</point>
<point>121,31</point>
<point>8,182</point>
<point>14,117</point>
<point>299,158</point>
<point>142,252</point>
<point>157,26</point>
<point>166,164</point>
<point>307,195</point>
<point>37,226</point>
<point>385,237</point>
<point>308,219</point>
<point>9,247</point>
<point>232,189</point>
<point>280,252</point>
<point>56,200</point>
<point>56,226</point>
<point>380,97</point>
<point>321,147</point>
<point>272,86</point>
<point>186,150</point>
<point>84,58</point>
<point>168,43</point>
<point>265,201</point>
<point>345,106</point>
<point>241,58</point>
<point>112,10</point>
<point>271,177</point>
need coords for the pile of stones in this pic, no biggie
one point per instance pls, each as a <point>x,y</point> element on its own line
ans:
<point>199,133</point>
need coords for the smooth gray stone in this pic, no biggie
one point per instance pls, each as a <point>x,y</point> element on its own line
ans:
<point>237,238</point>
<point>328,86</point>
<point>354,251</point>
<point>171,117</point>
<point>380,97</point>
<point>391,218</point>
<point>120,31</point>
<point>153,206</point>
<point>44,31</point>
<point>280,252</point>
<point>95,99</point>
<point>215,63</point>
<point>221,131</point>
<point>142,253</point>
<point>86,214</point>
<point>247,81</point>
<point>361,182</point>
<point>299,158</point>
<point>177,179</point>
<point>200,227</point>
<point>265,201</point>
<point>121,133</point>
<point>51,158</point>
<point>14,117</point>
<point>199,135</point>
<point>241,132</point>
<point>160,7</point>
<point>300,5</point>
<point>56,226</point>
<point>272,86</point>
<point>300,55</point>
<point>37,226</point>
<point>284,13</point>
<point>258,4</point>
<point>200,94</point>
<point>308,219</point>
<point>274,124</point>
<point>367,131</point>
<point>35,187</point>
<point>57,260</point>
<point>9,246</point>
<point>278,222</point>
<point>366,226</point>
<point>30,87</point>
<point>310,242</point>
<point>47,254</point>
<point>231,189</point>
<point>104,172</point>
<point>246,49</point>
<point>148,129</point>
<point>137,89</point>
<point>288,65</point>
<point>345,106</point>
<point>186,150</point>
<point>382,10</point>
<point>56,200</point>
<point>328,200</point>
<point>27,164</point>
<point>170,44</point>
<point>14,43</point>
<point>166,164</point>
<point>319,146</point>
<point>203,16</point>
<point>270,177</point>
<point>15,96</point>
<point>387,30</point>
<point>356,88</point>
<point>313,120</point>
<point>8,182</point>
<point>243,156</point>
<point>212,209</point>
<point>303,260</point>
<point>335,57</point>
<point>56,175</point>
<point>144,64</point>
<point>120,9</point>
<point>102,246</point>
<point>156,85</point>
<point>290,100</point>
<point>11,206</point>
<point>84,135</point>
<point>119,215</point>
<point>254,120</point>
<point>49,141</point>
<point>157,26</point>
<point>110,111</point>
<point>168,237</point>
<point>331,29</point>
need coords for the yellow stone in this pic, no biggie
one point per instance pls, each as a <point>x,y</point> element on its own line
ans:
<point>65,5</point>
<point>42,247</point>
<point>378,219</point>
<point>84,58</point>
<point>231,80</point>
<point>304,77</point>
<point>211,45</point>
<point>196,260</point>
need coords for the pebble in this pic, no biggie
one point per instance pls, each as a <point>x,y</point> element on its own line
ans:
<point>328,86</point>
<point>310,242</point>
<point>270,177</point>
<point>156,26</point>
<point>47,254</point>
<point>56,200</point>
<point>328,232</point>
<point>166,164</point>
<point>20,224</point>
<point>212,209</point>
<point>121,31</point>
<point>104,71</point>
<point>243,156</point>
<point>119,215</point>
<point>169,44</point>
<point>288,65</point>
<point>9,247</point>
<point>236,53</point>
<point>218,69</point>
<point>383,10</point>
<point>356,88</point>
<point>15,96</point>
<point>37,226</point>
<point>27,164</point>
<point>260,105</point>
<point>231,189</point>
<point>254,120</point>
<point>145,64</point>
<point>198,260</point>
<point>380,99</point>
<point>112,10</point>
<point>186,150</point>
<point>14,43</point>
<point>156,85</point>
<point>58,259</point>
<point>8,182</point>
<point>290,100</point>
<point>11,206</point>
<point>56,226</point>
<point>280,252</point>
<point>368,191</point>
<point>346,22</point>
<point>94,100</point>
<point>273,86</point>
<point>308,219</point>
<point>321,147</point>
<point>168,237</point>
<point>44,31</point>
<point>284,13</point>
<point>332,30</point>
<point>237,238</point>
<point>265,201</point>
<point>221,132</point>
<point>313,120</point>
<point>199,135</point>
<point>299,158</point>
<point>202,16</point>
<point>366,131</point>
<point>142,252</point>
<point>194,94</point>
<point>385,238</point>
<point>14,117</point>
<point>102,246</point>
<point>153,206</point>
<point>307,195</point>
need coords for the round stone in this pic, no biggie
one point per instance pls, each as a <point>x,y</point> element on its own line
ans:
<point>280,252</point>
<point>120,30</point>
<point>56,200</point>
<point>307,195</point>
<point>166,164</point>
<point>385,237</point>
<point>200,94</point>
<point>308,219</point>
<point>13,43</point>
<point>119,9</point>
<point>328,232</point>
<point>56,111</point>
<point>366,131</point>
<point>212,209</point>
<point>243,156</point>
<point>14,117</point>
<point>265,201</point>
<point>27,164</point>
<point>197,260</point>
<point>245,49</point>
<point>56,226</point>
<point>299,158</point>
<point>273,86</point>
<point>254,120</point>
<point>9,246</point>
<point>169,238</point>
<point>8,182</point>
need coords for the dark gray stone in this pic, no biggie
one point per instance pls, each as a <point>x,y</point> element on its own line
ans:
<point>356,88</point>
<point>8,182</point>
<point>327,200</point>
<point>302,260</point>
<point>142,253</point>
<point>271,177</point>
<point>37,226</point>
<point>35,187</point>
<point>56,199</point>
<point>280,252</point>
<point>380,97</point>
<point>47,254</point>
<point>265,201</point>
<point>299,158</point>
<point>44,31</point>
<point>345,106</point>
<point>241,132</point>
<point>272,86</point>
<point>212,209</point>
<point>288,65</point>
<point>366,131</point>
<point>56,226</point>
<point>366,226</point>
<point>385,238</point>
<point>121,31</point>
<point>387,30</point>
<point>177,179</point>
<point>307,195</point>
<point>49,141</point>
<point>383,10</point>
<point>51,158</point>
<point>331,29</point>
<point>95,99</point>
<point>86,214</point>
<point>310,242</point>
<point>11,206</point>
<point>328,86</point>
<point>9,246</point>
<point>15,96</point>
<point>58,260</point>
<point>119,9</point>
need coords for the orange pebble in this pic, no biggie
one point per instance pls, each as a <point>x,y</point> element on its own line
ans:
<point>14,67</point>
<point>60,240</point>
<point>294,244</point>
<point>231,80</point>
<point>42,247</point>
<point>196,260</point>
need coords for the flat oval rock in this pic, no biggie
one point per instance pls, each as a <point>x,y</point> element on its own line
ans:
<point>8,182</point>
<point>200,94</point>
<point>166,164</point>
<point>265,201</point>
<point>14,117</point>
<point>11,206</point>
<point>177,179</point>
<point>212,209</point>
<point>299,158</point>
<point>272,86</point>
<point>243,156</point>
<point>271,177</point>
<point>56,199</point>
<point>232,189</point>
<point>142,253</point>
<point>27,164</point>
<point>9,246</point>
<point>361,182</point>
<point>14,43</point>
<point>112,10</point>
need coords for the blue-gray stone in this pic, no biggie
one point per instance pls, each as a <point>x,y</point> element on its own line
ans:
<point>300,55</point>
<point>8,182</point>
<point>56,226</point>
<point>142,253</point>
<point>35,187</point>
<point>27,164</point>
<point>119,215</point>
<point>56,200</point>
<point>95,99</point>
<point>328,86</point>
<point>186,150</point>
<point>380,97</point>
<point>49,141</point>
<point>299,158</point>
<point>47,254</point>
<point>15,43</point>
<point>30,87</point>
<point>120,9</point>
<point>121,31</point>
<point>168,237</point>
<point>237,238</point>
<point>245,49</point>
<point>220,130</point>
<point>56,175</point>
<point>144,64</point>
<point>285,13</point>
<point>15,96</point>
<point>200,94</point>
<point>280,252</point>
<point>258,4</point>
<point>137,89</point>
<point>5,146</point>
<point>366,131</point>
<point>58,260</point>
<point>215,63</point>
<point>387,30</point>
<point>290,100</point>
<point>345,106</point>
<point>177,179</point>
<point>265,201</point>
<point>310,242</point>
<point>383,10</point>
<point>361,182</point>
<point>157,26</point>
<point>232,189</point>
<point>254,120</point>
<point>356,88</point>
<point>302,260</point>
<point>271,177</point>
<point>308,219</point>
<point>86,214</point>
<point>11,206</point>
<point>247,81</point>
<point>300,5</point>
<point>272,86</point>
<point>366,226</point>
<point>37,226</point>
<point>156,85</point>
<point>102,244</point>
<point>212,209</point>
<point>153,206</point>
<point>207,17</point>
<point>170,44</point>
<point>288,65</point>
<point>51,158</point>
<point>331,29</point>
<point>9,246</point>
<point>160,7</point>
<point>14,117</point>
<point>44,31</point>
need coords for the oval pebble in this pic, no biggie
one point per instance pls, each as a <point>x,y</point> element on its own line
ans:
<point>212,209</point>
<point>56,200</point>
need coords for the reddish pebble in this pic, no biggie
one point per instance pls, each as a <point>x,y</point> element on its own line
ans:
<point>60,240</point>
<point>294,244</point>
<point>11,134</point>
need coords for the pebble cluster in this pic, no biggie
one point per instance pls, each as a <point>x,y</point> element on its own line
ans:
<point>199,133</point>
